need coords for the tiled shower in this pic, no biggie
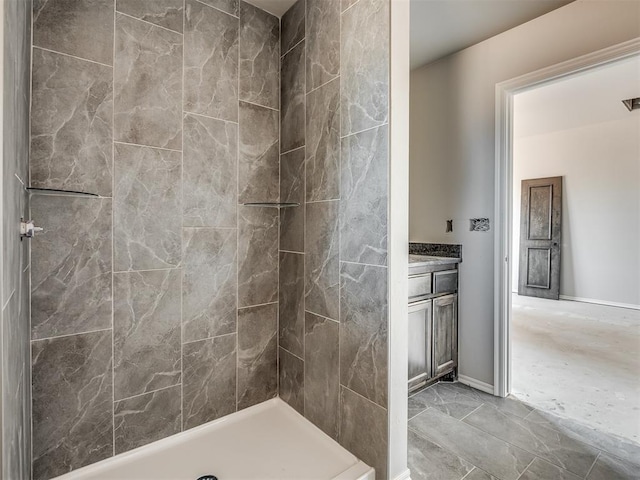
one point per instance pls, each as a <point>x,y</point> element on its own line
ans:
<point>163,302</point>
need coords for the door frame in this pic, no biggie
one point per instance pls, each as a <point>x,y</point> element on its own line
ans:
<point>503,215</point>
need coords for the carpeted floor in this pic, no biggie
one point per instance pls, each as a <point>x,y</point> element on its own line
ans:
<point>579,360</point>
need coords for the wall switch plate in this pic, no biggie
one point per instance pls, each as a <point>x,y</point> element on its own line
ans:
<point>479,225</point>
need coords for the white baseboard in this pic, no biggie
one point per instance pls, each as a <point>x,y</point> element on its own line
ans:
<point>600,302</point>
<point>477,384</point>
<point>406,475</point>
<point>596,302</point>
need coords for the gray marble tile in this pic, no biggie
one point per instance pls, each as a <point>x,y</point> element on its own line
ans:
<point>291,302</point>
<point>166,13</point>
<point>363,330</point>
<point>257,354</point>
<point>614,445</point>
<point>347,3</point>
<point>147,208</point>
<point>146,331</point>
<point>322,269</point>
<point>14,205</point>
<point>210,266</point>
<point>147,84</point>
<point>259,56</point>
<point>209,381</point>
<point>323,142</point>
<point>448,401</point>
<point>14,389</point>
<point>321,362</point>
<point>210,62</point>
<point>291,380</point>
<point>71,133</point>
<point>257,256</point>
<point>363,430</point>
<point>230,6</point>
<point>292,175</point>
<point>292,26</point>
<point>146,418</point>
<point>541,470</point>
<point>82,28</point>
<point>292,93</point>
<point>364,51</point>
<point>508,405</point>
<point>364,197</point>
<point>544,442</point>
<point>210,165</point>
<point>428,461</point>
<point>258,168</point>
<point>71,260</point>
<point>611,468</point>
<point>15,354</point>
<point>487,452</point>
<point>71,377</point>
<point>477,474</point>
<point>323,42</point>
<point>547,443</point>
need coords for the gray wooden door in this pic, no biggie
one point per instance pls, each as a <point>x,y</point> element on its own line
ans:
<point>419,343</point>
<point>540,235</point>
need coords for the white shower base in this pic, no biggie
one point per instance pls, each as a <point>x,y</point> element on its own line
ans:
<point>267,441</point>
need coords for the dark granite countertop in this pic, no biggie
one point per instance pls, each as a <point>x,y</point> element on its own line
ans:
<point>415,260</point>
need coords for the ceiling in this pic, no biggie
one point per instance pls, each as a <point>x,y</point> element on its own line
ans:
<point>442,27</point>
<point>585,99</point>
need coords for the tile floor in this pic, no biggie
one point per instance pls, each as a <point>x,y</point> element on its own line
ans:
<point>458,432</point>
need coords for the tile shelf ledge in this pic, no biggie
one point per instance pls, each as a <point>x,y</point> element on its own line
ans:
<point>67,193</point>
<point>271,204</point>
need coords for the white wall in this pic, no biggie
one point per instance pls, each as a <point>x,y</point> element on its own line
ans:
<point>600,163</point>
<point>452,140</point>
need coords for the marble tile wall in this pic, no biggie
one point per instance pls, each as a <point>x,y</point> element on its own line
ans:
<point>333,248</point>
<point>155,305</point>
<point>15,375</point>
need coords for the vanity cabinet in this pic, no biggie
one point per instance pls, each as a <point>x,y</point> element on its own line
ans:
<point>433,320</point>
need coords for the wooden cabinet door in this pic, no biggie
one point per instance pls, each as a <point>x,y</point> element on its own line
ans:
<point>445,335</point>
<point>419,342</point>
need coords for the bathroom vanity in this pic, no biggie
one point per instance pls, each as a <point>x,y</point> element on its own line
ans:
<point>433,319</point>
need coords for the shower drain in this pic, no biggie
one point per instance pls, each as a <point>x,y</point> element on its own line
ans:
<point>208,477</point>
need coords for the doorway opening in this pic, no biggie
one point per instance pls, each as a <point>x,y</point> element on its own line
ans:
<point>568,214</point>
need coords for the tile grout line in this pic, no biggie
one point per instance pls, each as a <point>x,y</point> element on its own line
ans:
<point>593,465</point>
<point>195,114</point>
<point>258,105</point>
<point>238,215</point>
<point>218,9</point>
<point>471,412</point>
<point>527,467</point>
<point>337,77</point>
<point>145,146</point>
<point>304,222</point>
<point>113,208</point>
<point>351,134</point>
<point>108,329</point>
<point>292,150</point>
<point>137,395</point>
<point>71,56</point>
<point>322,316</point>
<point>148,22</point>
<point>182,252</point>
<point>189,342</point>
<point>297,43</point>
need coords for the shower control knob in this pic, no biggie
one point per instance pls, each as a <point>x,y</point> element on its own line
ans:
<point>28,229</point>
